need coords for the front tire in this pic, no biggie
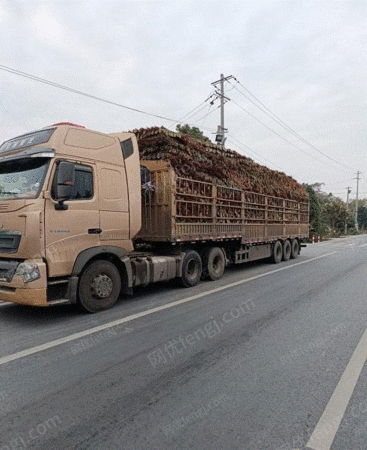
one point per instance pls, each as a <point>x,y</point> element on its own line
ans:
<point>99,286</point>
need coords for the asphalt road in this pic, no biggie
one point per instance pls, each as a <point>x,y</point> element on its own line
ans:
<point>268,357</point>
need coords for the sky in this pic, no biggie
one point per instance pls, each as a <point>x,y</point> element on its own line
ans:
<point>305,61</point>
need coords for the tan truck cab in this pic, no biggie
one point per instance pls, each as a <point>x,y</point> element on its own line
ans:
<point>67,195</point>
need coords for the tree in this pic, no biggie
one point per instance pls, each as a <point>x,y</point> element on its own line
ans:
<point>194,132</point>
<point>316,219</point>
<point>362,212</point>
<point>362,217</point>
<point>337,215</point>
<point>328,214</point>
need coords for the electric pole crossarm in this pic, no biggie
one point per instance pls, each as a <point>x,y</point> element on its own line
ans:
<point>223,79</point>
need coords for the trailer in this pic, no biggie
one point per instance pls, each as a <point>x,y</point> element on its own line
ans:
<point>205,217</point>
<point>86,216</point>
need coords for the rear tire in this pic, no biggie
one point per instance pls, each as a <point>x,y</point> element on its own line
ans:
<point>214,263</point>
<point>191,269</point>
<point>287,250</point>
<point>99,286</point>
<point>295,248</point>
<point>277,252</point>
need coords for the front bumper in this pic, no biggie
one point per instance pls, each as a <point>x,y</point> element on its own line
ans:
<point>33,293</point>
<point>31,297</point>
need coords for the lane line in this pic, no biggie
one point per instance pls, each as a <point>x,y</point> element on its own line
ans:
<point>75,336</point>
<point>325,431</point>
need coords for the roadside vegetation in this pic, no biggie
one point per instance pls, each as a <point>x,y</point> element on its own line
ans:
<point>330,216</point>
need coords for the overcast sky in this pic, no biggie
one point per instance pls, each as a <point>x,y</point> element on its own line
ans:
<point>306,61</point>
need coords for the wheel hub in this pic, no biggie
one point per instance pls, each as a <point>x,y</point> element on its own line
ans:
<point>192,268</point>
<point>102,285</point>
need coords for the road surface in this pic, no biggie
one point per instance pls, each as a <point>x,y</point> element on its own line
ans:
<point>270,357</point>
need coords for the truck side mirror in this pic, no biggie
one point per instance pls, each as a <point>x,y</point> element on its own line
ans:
<point>64,183</point>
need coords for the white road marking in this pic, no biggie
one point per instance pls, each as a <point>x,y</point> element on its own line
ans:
<point>75,336</point>
<point>325,431</point>
<point>364,245</point>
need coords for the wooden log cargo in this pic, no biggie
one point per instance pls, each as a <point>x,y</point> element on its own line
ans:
<point>205,161</point>
<point>201,192</point>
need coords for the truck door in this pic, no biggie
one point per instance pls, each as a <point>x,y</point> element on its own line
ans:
<point>114,206</point>
<point>70,231</point>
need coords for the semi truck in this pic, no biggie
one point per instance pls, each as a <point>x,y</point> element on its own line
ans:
<point>83,219</point>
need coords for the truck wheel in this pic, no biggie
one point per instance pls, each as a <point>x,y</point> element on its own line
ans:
<point>287,250</point>
<point>295,248</point>
<point>213,263</point>
<point>191,269</point>
<point>99,286</point>
<point>277,252</point>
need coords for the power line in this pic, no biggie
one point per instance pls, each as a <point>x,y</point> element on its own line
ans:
<point>76,91</point>
<point>191,113</point>
<point>338,183</point>
<point>201,109</point>
<point>284,139</point>
<point>189,116</point>
<point>206,115</point>
<point>94,97</point>
<point>253,151</point>
<point>280,122</point>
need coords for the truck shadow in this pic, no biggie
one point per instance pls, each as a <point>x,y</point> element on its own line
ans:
<point>29,315</point>
<point>127,304</point>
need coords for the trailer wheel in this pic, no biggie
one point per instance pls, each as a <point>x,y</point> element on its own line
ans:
<point>213,263</point>
<point>191,269</point>
<point>287,250</point>
<point>295,248</point>
<point>99,286</point>
<point>277,252</point>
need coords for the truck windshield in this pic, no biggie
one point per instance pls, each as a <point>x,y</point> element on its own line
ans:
<point>22,178</point>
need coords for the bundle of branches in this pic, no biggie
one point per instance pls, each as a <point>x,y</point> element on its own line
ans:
<point>205,161</point>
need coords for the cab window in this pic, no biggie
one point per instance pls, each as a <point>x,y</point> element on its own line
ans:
<point>83,187</point>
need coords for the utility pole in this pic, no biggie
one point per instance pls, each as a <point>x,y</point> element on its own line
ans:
<point>220,137</point>
<point>356,217</point>
<point>349,190</point>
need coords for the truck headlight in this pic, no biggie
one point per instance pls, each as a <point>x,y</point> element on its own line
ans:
<point>28,272</point>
